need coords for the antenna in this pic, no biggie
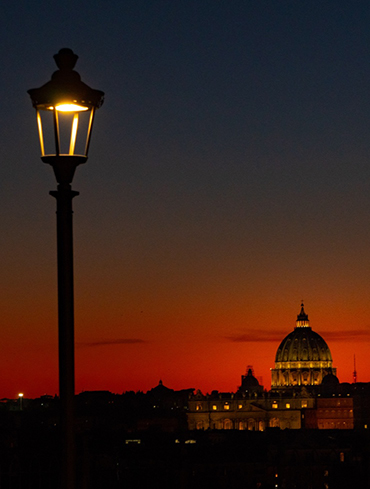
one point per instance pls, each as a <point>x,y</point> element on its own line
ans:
<point>354,370</point>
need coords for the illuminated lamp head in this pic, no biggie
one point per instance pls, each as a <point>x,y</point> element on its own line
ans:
<point>65,108</point>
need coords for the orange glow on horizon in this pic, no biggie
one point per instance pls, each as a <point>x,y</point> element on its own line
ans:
<point>126,345</point>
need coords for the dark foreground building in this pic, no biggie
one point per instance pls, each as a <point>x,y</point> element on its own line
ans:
<point>112,457</point>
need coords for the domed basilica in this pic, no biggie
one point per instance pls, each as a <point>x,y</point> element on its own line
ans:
<point>305,392</point>
<point>303,357</point>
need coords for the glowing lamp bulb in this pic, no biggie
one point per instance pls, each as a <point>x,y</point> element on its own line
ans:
<point>70,108</point>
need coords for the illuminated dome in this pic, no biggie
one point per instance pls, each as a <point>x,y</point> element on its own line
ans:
<point>303,357</point>
<point>303,344</point>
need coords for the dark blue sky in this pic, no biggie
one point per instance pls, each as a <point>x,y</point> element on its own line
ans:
<point>228,178</point>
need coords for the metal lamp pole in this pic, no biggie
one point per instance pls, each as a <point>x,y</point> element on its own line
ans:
<point>64,195</point>
<point>69,106</point>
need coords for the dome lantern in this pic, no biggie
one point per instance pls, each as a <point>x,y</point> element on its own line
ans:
<point>302,319</point>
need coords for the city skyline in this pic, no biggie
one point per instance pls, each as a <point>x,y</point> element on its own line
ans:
<point>228,179</point>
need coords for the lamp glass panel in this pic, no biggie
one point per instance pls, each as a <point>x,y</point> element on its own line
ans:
<point>73,126</point>
<point>41,133</point>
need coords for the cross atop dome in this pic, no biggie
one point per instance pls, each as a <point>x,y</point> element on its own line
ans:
<point>302,319</point>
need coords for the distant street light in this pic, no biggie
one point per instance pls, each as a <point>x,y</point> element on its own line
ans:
<point>20,396</point>
<point>65,108</point>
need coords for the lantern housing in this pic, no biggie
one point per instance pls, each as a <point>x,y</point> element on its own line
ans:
<point>65,108</point>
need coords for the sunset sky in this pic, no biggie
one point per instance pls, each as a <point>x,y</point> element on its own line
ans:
<point>228,179</point>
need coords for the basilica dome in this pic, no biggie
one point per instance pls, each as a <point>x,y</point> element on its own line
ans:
<point>303,344</point>
<point>303,357</point>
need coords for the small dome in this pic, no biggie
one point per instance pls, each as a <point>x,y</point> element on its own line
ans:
<point>249,380</point>
<point>330,380</point>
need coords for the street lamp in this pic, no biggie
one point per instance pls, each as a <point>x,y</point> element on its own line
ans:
<point>20,396</point>
<point>65,109</point>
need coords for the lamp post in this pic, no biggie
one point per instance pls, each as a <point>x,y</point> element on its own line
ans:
<point>65,109</point>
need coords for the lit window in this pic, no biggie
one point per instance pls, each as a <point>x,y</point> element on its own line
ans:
<point>274,405</point>
<point>304,404</point>
<point>214,407</point>
<point>240,406</point>
<point>226,406</point>
<point>199,407</point>
<point>287,405</point>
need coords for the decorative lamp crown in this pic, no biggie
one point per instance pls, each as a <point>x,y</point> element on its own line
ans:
<point>65,87</point>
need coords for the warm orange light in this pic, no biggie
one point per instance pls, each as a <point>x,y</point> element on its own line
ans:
<point>69,108</point>
<point>20,394</point>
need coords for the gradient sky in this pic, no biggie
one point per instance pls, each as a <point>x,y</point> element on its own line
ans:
<point>228,179</point>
